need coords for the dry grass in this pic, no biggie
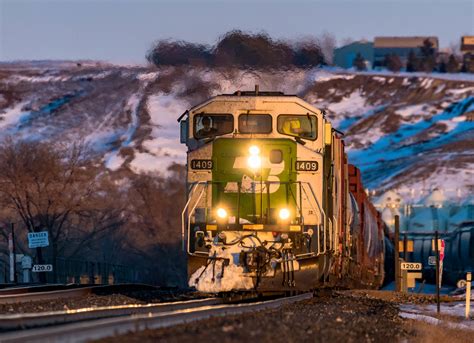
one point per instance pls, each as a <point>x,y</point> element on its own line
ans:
<point>427,333</point>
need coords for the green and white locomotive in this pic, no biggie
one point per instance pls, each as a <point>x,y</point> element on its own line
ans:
<point>268,202</point>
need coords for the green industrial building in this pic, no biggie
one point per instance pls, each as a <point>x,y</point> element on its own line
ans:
<point>345,55</point>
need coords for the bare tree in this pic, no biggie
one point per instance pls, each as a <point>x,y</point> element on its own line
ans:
<point>156,205</point>
<point>455,48</point>
<point>55,189</point>
<point>327,43</point>
<point>347,41</point>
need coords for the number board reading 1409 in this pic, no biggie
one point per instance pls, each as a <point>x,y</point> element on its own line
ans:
<point>201,164</point>
<point>307,166</point>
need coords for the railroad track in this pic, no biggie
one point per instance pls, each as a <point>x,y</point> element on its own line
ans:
<point>89,324</point>
<point>54,292</point>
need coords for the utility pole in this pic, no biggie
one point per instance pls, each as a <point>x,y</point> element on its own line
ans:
<point>437,272</point>
<point>39,256</point>
<point>405,247</point>
<point>14,253</point>
<point>397,254</point>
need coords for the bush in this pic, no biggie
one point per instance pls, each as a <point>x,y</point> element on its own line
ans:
<point>412,62</point>
<point>393,63</point>
<point>176,53</point>
<point>238,49</point>
<point>308,54</point>
<point>453,65</point>
<point>428,59</point>
<point>359,62</point>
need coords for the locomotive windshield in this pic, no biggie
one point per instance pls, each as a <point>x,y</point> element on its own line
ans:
<point>303,126</point>
<point>255,123</point>
<point>208,125</point>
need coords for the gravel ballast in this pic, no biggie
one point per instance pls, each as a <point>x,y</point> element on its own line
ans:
<point>329,317</point>
<point>99,300</point>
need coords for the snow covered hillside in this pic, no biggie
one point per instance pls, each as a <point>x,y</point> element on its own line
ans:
<point>406,132</point>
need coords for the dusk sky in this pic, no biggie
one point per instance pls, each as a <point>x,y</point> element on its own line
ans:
<point>123,31</point>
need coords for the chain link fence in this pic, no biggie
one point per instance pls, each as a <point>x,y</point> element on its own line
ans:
<point>83,272</point>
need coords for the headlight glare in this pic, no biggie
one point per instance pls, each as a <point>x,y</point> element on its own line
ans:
<point>284,214</point>
<point>221,213</point>
<point>254,162</point>
<point>254,150</point>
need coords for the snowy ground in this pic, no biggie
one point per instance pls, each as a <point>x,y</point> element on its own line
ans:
<point>406,131</point>
<point>428,313</point>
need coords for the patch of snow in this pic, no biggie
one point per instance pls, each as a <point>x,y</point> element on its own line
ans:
<point>408,111</point>
<point>380,79</point>
<point>151,76</point>
<point>371,136</point>
<point>459,119</point>
<point>209,279</point>
<point>427,312</point>
<point>461,90</point>
<point>451,124</point>
<point>434,75</point>
<point>354,101</point>
<point>440,88</point>
<point>426,83</point>
<point>163,147</point>
<point>113,160</point>
<point>12,115</point>
<point>350,110</point>
<point>321,75</point>
<point>35,79</point>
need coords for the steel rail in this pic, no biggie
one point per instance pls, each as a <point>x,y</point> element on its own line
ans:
<point>37,288</point>
<point>79,291</point>
<point>90,330</point>
<point>40,296</point>
<point>31,320</point>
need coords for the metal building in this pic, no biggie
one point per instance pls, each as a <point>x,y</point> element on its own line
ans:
<point>467,44</point>
<point>345,55</point>
<point>400,46</point>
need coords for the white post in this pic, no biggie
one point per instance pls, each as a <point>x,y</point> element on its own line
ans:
<point>468,294</point>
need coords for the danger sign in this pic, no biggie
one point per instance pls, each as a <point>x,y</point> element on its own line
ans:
<point>441,245</point>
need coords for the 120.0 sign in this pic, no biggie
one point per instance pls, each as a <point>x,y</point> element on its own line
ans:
<point>38,268</point>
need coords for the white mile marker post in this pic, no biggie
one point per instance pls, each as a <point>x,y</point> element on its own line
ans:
<point>468,294</point>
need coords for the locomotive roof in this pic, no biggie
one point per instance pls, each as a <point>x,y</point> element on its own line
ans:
<point>257,93</point>
<point>254,93</point>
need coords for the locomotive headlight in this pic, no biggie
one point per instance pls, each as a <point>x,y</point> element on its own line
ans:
<point>284,214</point>
<point>221,213</point>
<point>254,162</point>
<point>254,150</point>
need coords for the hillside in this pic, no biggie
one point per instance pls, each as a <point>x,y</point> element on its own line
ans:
<point>406,132</point>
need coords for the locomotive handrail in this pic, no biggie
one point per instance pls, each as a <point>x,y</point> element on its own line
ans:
<point>190,214</point>
<point>322,219</point>
<point>330,234</point>
<point>183,216</point>
<point>183,213</point>
<point>321,214</point>
<point>336,234</point>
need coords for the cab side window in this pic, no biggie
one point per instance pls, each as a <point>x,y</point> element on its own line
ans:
<point>302,126</point>
<point>207,125</point>
<point>255,123</point>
